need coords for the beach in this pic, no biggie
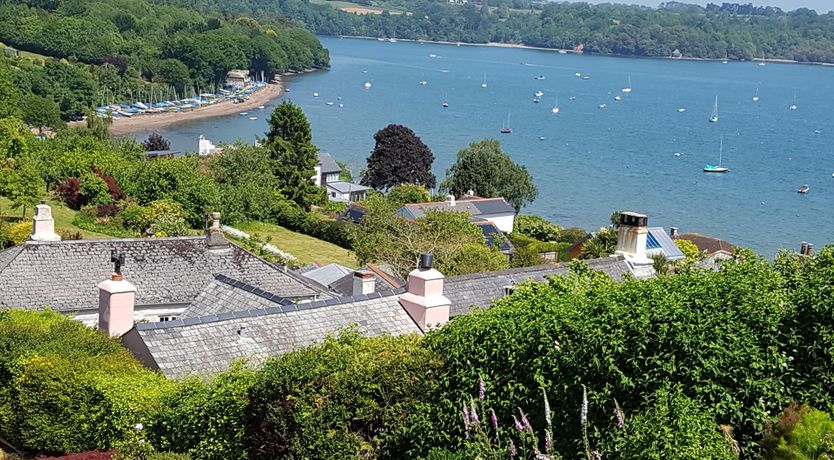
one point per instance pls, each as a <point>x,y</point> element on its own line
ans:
<point>150,122</point>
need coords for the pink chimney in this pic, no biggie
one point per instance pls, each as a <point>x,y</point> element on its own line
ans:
<point>116,299</point>
<point>424,301</point>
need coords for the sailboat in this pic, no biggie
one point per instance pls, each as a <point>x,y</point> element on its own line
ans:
<point>484,84</point>
<point>717,169</point>
<point>793,106</point>
<point>555,108</point>
<point>714,117</point>
<point>538,93</point>
<point>627,89</point>
<point>505,129</point>
<point>762,63</point>
<point>756,96</point>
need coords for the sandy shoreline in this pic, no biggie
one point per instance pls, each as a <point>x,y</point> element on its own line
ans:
<point>571,51</point>
<point>151,122</point>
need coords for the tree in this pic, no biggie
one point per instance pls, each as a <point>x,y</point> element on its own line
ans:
<point>40,112</point>
<point>408,193</point>
<point>399,157</point>
<point>489,172</point>
<point>290,145</point>
<point>344,174</point>
<point>156,142</point>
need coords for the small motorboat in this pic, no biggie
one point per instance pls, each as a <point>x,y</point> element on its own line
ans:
<point>422,83</point>
<point>367,85</point>
<point>536,100</point>
<point>803,189</point>
<point>602,106</point>
<point>538,93</point>
<point>243,114</point>
<point>816,131</point>
<point>261,107</point>
<point>540,77</point>
<point>618,98</point>
<point>585,77</point>
<point>253,118</point>
<point>329,103</point>
<point>681,110</point>
<point>315,94</point>
<point>572,98</point>
<point>541,138</point>
<point>677,154</point>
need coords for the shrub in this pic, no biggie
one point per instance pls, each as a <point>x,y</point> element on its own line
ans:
<point>802,432</point>
<point>89,455</point>
<point>159,218</point>
<point>571,235</point>
<point>344,398</point>
<point>536,227</point>
<point>206,418</point>
<point>67,388</point>
<point>672,425</point>
<point>16,233</point>
<point>408,193</point>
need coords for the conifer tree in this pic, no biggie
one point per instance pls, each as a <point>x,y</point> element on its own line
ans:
<point>290,144</point>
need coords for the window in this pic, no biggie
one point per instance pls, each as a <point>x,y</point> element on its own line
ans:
<point>163,319</point>
<point>332,194</point>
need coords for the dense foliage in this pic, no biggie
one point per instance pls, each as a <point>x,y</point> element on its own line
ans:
<point>486,170</point>
<point>728,31</point>
<point>294,157</point>
<point>398,157</point>
<point>121,51</point>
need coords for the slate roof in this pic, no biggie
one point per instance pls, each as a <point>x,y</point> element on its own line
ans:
<point>474,206</point>
<point>346,187</point>
<point>209,344</point>
<point>327,274</point>
<point>490,231</point>
<point>226,294</point>
<point>63,275</point>
<point>354,213</point>
<point>384,280</point>
<point>328,164</point>
<point>480,289</point>
<point>706,243</point>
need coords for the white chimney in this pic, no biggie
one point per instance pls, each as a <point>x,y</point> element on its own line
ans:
<point>116,300</point>
<point>450,199</point>
<point>673,232</point>
<point>631,237</point>
<point>424,301</point>
<point>43,225</point>
<point>364,282</point>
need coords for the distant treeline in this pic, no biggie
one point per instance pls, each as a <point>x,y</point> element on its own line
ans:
<point>119,48</point>
<point>733,31</point>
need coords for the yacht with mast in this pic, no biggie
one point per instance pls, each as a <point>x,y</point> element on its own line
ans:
<point>505,129</point>
<point>714,117</point>
<point>717,169</point>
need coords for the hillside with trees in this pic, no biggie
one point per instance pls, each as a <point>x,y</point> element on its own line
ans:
<point>83,53</point>
<point>726,31</point>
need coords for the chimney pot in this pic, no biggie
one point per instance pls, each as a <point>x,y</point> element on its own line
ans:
<point>450,199</point>
<point>214,234</point>
<point>803,248</point>
<point>426,260</point>
<point>364,282</point>
<point>632,235</point>
<point>673,231</point>
<point>810,250</point>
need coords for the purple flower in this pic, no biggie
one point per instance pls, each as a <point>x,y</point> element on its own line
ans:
<point>548,442</point>
<point>618,414</point>
<point>481,388</point>
<point>465,414</point>
<point>511,450</point>
<point>583,413</point>
<point>494,420</point>
<point>524,421</point>
<point>474,414</point>
<point>518,426</point>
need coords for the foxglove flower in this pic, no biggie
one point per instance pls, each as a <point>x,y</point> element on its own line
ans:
<point>548,442</point>
<point>465,414</point>
<point>524,421</point>
<point>518,426</point>
<point>494,420</point>
<point>481,388</point>
<point>546,408</point>
<point>474,414</point>
<point>583,413</point>
<point>511,450</point>
<point>596,455</point>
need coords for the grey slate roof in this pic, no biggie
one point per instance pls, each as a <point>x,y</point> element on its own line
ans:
<point>384,282</point>
<point>346,187</point>
<point>226,294</point>
<point>328,164</point>
<point>63,275</point>
<point>209,344</point>
<point>480,289</point>
<point>327,274</point>
<point>474,206</point>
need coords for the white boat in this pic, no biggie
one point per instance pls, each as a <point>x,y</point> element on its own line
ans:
<point>627,89</point>
<point>572,98</point>
<point>681,109</point>
<point>445,102</point>
<point>261,107</point>
<point>253,118</point>
<point>563,52</point>
<point>329,103</point>
<point>617,98</point>
<point>756,96</point>
<point>484,84</point>
<point>432,55</point>
<point>341,105</point>
<point>367,85</point>
<point>717,169</point>
<point>422,83</point>
<point>793,106</point>
<point>243,114</point>
<point>555,108</point>
<point>803,189</point>
<point>541,138</point>
<point>602,106</point>
<point>762,62</point>
<point>578,74</point>
<point>536,100</point>
<point>677,154</point>
<point>505,129</point>
<point>538,93</point>
<point>586,77</point>
<point>315,94</point>
<point>714,117</point>
<point>540,77</point>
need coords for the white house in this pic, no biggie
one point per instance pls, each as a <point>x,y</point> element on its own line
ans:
<point>327,170</point>
<point>346,192</point>
<point>205,147</point>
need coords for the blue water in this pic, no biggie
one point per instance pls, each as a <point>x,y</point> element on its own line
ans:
<point>592,161</point>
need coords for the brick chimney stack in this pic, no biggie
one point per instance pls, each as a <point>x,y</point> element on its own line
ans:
<point>43,225</point>
<point>116,301</point>
<point>424,301</point>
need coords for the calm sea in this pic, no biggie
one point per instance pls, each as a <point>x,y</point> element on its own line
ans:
<point>589,161</point>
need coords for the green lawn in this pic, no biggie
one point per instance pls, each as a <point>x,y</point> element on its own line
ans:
<point>63,218</point>
<point>306,248</point>
<point>339,4</point>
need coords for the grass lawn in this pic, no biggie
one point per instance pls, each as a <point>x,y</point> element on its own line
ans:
<point>339,4</point>
<point>306,248</point>
<point>63,218</point>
